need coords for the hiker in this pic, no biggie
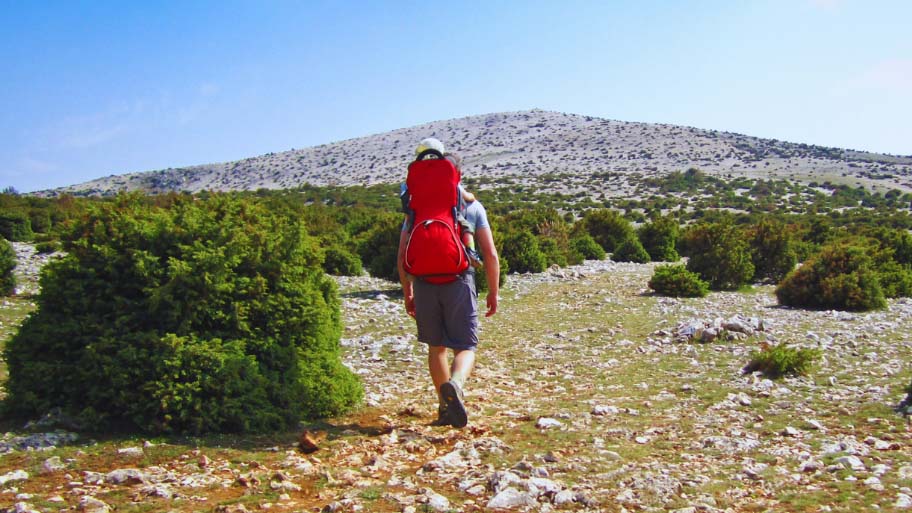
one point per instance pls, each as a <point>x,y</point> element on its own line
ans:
<point>445,307</point>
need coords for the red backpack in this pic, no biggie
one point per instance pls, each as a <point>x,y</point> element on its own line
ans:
<point>434,251</point>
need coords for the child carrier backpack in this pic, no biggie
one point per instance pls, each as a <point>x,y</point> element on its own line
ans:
<point>434,250</point>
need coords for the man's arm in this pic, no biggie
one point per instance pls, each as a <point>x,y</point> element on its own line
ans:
<point>403,276</point>
<point>485,241</point>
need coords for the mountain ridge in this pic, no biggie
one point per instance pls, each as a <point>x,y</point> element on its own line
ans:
<point>531,147</point>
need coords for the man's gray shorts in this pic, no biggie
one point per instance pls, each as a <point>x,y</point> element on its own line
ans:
<point>447,314</point>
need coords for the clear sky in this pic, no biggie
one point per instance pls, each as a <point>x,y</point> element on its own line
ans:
<point>93,88</point>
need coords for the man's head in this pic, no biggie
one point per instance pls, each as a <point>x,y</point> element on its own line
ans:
<point>429,148</point>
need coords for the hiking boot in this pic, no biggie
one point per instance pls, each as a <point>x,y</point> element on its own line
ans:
<point>443,417</point>
<point>453,397</point>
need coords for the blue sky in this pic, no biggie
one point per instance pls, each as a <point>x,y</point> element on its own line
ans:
<point>90,89</point>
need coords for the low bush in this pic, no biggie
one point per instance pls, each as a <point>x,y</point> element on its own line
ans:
<point>677,281</point>
<point>781,360</point>
<point>842,276</point>
<point>584,245</point>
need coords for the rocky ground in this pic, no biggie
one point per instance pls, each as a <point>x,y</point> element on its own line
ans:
<point>590,394</point>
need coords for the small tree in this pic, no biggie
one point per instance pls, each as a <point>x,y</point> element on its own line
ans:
<point>719,254</point>
<point>7,265</point>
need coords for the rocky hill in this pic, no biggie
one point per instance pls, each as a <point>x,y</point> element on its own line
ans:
<point>552,151</point>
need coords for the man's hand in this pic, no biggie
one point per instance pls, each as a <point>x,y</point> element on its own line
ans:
<point>410,304</point>
<point>492,305</point>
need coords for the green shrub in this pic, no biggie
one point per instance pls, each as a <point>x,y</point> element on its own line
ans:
<point>719,254</point>
<point>630,250</point>
<point>781,360</point>
<point>206,315</point>
<point>520,249</point>
<point>549,227</point>
<point>841,276</point>
<point>340,262</point>
<point>15,226</point>
<point>659,238</point>
<point>7,265</point>
<point>677,281</point>
<point>771,251</point>
<point>608,228</point>
<point>585,246</point>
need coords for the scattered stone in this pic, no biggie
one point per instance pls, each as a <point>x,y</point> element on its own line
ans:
<point>51,465</point>
<point>851,462</point>
<point>89,504</point>
<point>16,475</point>
<point>600,410</point>
<point>136,452</point>
<point>548,423</point>
<point>435,501</point>
<point>903,501</point>
<point>125,476</point>
<point>511,498</point>
<point>790,431</point>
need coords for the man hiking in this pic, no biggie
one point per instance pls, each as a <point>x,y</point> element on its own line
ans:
<point>444,306</point>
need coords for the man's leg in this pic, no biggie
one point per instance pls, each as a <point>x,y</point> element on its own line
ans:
<point>463,363</point>
<point>440,374</point>
<point>438,366</point>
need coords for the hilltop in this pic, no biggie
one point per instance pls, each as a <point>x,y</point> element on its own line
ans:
<point>550,151</point>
